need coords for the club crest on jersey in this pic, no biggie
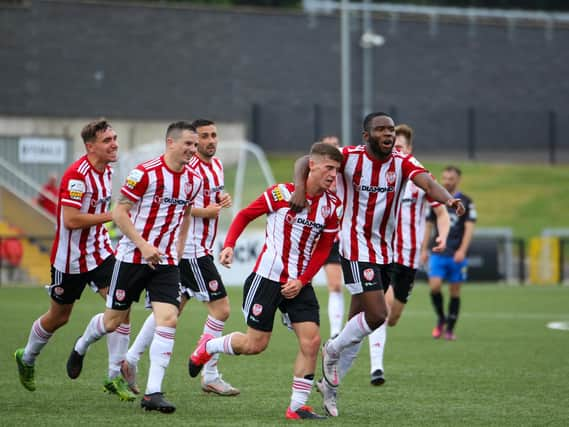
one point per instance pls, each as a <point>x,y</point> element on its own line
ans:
<point>134,178</point>
<point>213,285</point>
<point>76,189</point>
<point>120,294</point>
<point>326,211</point>
<point>369,274</point>
<point>391,177</point>
<point>188,187</point>
<point>289,218</point>
<point>257,309</point>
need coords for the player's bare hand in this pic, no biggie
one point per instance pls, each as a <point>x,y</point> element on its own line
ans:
<point>213,210</point>
<point>459,256</point>
<point>440,245</point>
<point>225,200</point>
<point>423,257</point>
<point>151,254</point>
<point>297,201</point>
<point>291,288</point>
<point>457,205</point>
<point>226,257</point>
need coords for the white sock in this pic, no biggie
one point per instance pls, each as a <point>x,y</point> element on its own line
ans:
<point>301,388</point>
<point>221,345</point>
<point>160,354</point>
<point>355,330</point>
<point>37,339</point>
<point>377,340</point>
<point>117,345</point>
<point>142,341</point>
<point>213,327</point>
<point>94,332</point>
<point>347,357</point>
<point>336,312</point>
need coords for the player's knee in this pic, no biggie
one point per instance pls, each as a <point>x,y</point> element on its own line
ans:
<point>376,320</point>
<point>311,345</point>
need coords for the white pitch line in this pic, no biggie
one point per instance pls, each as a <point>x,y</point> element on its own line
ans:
<point>561,326</point>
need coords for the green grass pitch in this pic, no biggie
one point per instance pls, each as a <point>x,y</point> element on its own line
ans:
<point>506,368</point>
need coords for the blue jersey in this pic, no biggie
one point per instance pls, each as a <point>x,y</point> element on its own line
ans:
<point>456,231</point>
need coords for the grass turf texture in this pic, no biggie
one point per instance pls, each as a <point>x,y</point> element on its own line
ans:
<point>506,368</point>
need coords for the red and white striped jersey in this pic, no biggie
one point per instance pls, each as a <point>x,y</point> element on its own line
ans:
<point>203,230</point>
<point>161,197</point>
<point>290,237</point>
<point>85,188</point>
<point>370,191</point>
<point>411,225</point>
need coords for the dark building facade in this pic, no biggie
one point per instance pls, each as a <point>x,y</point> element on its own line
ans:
<point>483,89</point>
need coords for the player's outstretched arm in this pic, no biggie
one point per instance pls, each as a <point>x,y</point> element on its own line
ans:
<point>437,192</point>
<point>443,227</point>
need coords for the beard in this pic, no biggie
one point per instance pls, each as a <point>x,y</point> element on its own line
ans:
<point>373,145</point>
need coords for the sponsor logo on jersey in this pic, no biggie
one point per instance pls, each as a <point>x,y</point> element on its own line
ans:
<point>76,189</point>
<point>308,223</point>
<point>210,191</point>
<point>375,188</point>
<point>170,201</point>
<point>102,201</point>
<point>369,274</point>
<point>257,309</point>
<point>409,200</point>
<point>391,177</point>
<point>134,178</point>
<point>120,294</point>
<point>213,285</point>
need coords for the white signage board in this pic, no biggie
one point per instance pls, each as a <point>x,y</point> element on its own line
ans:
<point>42,150</point>
<point>245,255</point>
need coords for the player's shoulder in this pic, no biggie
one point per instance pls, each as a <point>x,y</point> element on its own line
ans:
<point>356,150</point>
<point>151,164</point>
<point>465,198</point>
<point>280,192</point>
<point>192,173</point>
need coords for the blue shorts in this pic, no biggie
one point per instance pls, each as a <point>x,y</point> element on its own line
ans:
<point>446,268</point>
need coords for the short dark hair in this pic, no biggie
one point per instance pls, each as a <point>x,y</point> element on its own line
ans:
<point>452,168</point>
<point>371,116</point>
<point>198,123</point>
<point>90,130</point>
<point>327,150</point>
<point>176,128</point>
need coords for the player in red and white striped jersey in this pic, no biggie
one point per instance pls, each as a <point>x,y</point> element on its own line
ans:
<point>408,247</point>
<point>295,248</point>
<point>82,252</point>
<point>153,214</point>
<point>199,276</point>
<point>370,185</point>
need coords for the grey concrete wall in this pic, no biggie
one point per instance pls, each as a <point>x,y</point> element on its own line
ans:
<point>136,62</point>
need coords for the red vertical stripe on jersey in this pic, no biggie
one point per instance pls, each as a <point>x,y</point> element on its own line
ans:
<point>398,256</point>
<point>389,196</point>
<point>149,225</point>
<point>356,178</point>
<point>206,202</point>
<point>370,210</point>
<point>169,214</point>
<point>286,245</point>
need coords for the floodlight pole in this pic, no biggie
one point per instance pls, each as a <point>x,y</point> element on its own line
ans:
<point>345,72</point>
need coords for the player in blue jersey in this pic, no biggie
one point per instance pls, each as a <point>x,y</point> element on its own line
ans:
<point>450,265</point>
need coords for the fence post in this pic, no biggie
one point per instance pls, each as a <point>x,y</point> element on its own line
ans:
<point>552,135</point>
<point>471,133</point>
